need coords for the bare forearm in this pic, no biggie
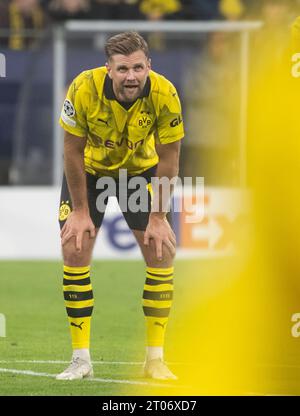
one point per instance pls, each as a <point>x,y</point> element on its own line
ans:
<point>76,176</point>
<point>167,168</point>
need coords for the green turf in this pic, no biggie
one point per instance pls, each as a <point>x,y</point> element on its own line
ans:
<point>37,329</point>
<point>31,300</point>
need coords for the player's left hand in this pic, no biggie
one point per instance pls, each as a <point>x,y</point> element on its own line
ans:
<point>161,232</point>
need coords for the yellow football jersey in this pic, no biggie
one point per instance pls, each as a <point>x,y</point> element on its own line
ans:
<point>118,138</point>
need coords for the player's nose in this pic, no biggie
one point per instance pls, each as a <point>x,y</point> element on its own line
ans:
<point>130,75</point>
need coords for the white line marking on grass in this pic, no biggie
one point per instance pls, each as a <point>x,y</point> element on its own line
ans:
<point>101,380</point>
<point>141,383</point>
<point>67,362</point>
<point>25,372</point>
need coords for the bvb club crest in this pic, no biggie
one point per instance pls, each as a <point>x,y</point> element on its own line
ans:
<point>64,210</point>
<point>144,121</point>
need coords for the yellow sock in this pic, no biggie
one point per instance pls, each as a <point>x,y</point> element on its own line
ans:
<point>157,301</point>
<point>79,303</point>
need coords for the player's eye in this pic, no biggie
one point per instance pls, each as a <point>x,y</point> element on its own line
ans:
<point>122,69</point>
<point>138,67</point>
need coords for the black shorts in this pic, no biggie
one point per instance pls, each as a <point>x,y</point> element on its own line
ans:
<point>135,220</point>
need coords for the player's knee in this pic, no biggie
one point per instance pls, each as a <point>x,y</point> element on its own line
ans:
<point>75,258</point>
<point>168,256</point>
<point>166,261</point>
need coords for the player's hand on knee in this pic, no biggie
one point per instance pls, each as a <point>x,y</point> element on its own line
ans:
<point>76,225</point>
<point>161,232</point>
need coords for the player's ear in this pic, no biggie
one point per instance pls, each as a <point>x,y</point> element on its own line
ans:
<point>108,67</point>
<point>149,63</point>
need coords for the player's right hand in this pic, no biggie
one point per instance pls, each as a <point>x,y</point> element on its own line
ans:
<point>75,226</point>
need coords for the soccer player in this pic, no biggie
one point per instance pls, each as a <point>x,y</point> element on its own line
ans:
<point>119,116</point>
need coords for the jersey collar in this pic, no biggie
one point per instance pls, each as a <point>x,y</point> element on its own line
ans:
<point>109,92</point>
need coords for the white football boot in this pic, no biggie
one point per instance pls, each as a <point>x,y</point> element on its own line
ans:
<point>158,370</point>
<point>78,369</point>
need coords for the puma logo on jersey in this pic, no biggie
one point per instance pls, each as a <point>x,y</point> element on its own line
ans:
<point>159,324</point>
<point>103,121</point>
<point>77,326</point>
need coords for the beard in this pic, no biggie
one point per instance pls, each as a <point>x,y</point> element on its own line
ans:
<point>130,92</point>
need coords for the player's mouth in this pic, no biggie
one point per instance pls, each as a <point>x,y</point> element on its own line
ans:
<point>131,87</point>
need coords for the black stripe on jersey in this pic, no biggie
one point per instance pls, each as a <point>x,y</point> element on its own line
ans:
<point>152,282</point>
<point>156,312</point>
<point>78,296</point>
<point>81,282</point>
<point>165,295</point>
<point>160,275</point>
<point>75,274</point>
<point>80,312</point>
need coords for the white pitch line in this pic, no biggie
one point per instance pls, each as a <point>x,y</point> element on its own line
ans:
<point>101,380</point>
<point>67,362</point>
<point>25,372</point>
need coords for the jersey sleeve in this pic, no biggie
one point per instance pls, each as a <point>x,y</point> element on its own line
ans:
<point>73,115</point>
<point>169,122</point>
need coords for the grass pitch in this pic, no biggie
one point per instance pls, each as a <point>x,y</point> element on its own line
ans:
<point>37,330</point>
<point>37,345</point>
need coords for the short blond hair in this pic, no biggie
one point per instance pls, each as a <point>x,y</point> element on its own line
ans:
<point>125,44</point>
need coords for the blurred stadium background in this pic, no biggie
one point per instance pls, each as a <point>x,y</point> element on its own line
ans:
<point>231,329</point>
